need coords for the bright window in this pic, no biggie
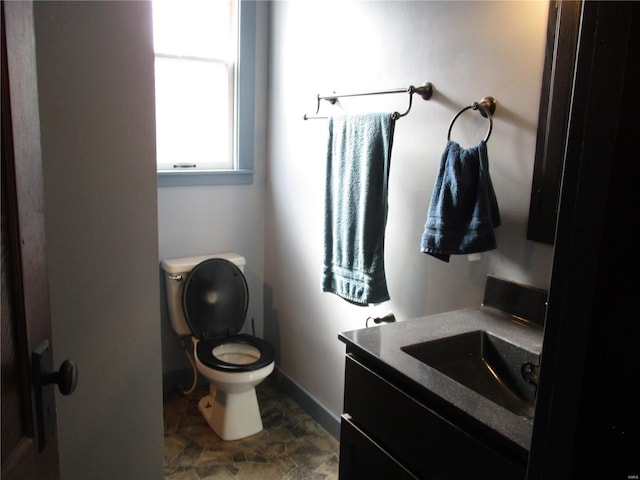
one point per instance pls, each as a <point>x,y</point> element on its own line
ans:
<point>196,45</point>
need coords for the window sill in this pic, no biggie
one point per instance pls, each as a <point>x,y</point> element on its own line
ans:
<point>168,178</point>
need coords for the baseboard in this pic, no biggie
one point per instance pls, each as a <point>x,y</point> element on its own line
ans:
<point>318,411</point>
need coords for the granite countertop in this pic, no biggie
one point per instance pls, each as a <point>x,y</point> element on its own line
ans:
<point>383,343</point>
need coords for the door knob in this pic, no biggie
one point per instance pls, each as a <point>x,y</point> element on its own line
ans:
<point>66,377</point>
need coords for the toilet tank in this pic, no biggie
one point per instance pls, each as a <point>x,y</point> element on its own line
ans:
<point>176,271</point>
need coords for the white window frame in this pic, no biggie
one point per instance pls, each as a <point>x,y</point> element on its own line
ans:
<point>244,93</point>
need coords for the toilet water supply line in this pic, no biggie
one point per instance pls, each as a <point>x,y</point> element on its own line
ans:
<point>193,363</point>
<point>193,366</point>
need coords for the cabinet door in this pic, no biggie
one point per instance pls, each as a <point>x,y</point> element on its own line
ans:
<point>362,458</point>
<point>418,437</point>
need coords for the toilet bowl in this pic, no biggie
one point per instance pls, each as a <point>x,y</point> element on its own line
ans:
<point>207,298</point>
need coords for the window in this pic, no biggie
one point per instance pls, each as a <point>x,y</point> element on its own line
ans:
<point>204,56</point>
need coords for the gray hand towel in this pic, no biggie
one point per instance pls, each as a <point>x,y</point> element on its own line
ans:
<point>358,155</point>
<point>463,211</point>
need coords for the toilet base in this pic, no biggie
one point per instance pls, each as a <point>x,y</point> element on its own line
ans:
<point>231,415</point>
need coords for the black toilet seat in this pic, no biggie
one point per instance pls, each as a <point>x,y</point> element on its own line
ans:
<point>204,351</point>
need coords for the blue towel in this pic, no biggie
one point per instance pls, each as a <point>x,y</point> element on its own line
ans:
<point>358,154</point>
<point>463,211</point>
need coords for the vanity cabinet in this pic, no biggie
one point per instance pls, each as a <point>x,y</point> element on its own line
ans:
<point>389,431</point>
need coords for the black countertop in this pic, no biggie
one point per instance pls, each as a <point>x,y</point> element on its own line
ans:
<point>383,345</point>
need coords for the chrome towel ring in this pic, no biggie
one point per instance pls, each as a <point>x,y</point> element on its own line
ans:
<point>487,107</point>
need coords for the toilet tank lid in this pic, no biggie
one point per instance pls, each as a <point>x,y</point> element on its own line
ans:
<point>186,264</point>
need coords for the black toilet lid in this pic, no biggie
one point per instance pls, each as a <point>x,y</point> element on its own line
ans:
<point>215,299</point>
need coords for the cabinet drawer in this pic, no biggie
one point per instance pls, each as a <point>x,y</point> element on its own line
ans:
<point>423,441</point>
<point>362,459</point>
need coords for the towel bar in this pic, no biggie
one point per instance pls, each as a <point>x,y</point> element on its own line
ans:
<point>425,91</point>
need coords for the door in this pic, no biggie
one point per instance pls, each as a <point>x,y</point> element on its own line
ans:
<point>29,442</point>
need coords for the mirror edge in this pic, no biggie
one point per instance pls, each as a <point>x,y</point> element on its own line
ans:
<point>553,118</point>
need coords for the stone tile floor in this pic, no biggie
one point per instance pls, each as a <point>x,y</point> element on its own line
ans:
<point>292,445</point>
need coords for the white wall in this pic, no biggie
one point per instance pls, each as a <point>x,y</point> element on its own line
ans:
<point>467,50</point>
<point>95,72</point>
<point>212,219</point>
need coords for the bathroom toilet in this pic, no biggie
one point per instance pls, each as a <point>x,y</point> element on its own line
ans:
<point>208,298</point>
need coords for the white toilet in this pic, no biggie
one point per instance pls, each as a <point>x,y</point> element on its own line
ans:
<point>208,298</point>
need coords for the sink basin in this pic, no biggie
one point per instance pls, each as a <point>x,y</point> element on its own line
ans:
<point>484,363</point>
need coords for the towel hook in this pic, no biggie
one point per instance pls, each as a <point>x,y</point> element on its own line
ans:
<point>486,106</point>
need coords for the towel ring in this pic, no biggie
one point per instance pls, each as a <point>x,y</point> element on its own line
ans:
<point>487,107</point>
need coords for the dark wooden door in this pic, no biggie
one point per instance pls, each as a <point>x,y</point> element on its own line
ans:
<point>29,443</point>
